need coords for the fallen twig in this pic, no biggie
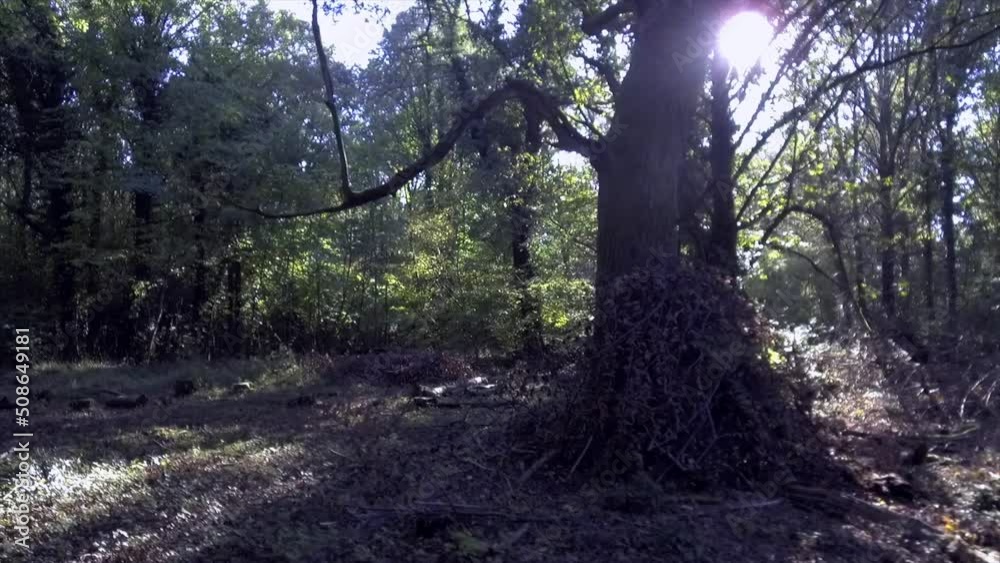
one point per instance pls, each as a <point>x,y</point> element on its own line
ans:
<point>534,466</point>
<point>451,510</point>
<point>476,463</point>
<point>810,497</point>
<point>579,458</point>
<point>965,399</point>
<point>910,439</point>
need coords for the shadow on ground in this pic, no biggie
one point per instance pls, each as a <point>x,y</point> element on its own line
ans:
<point>365,475</point>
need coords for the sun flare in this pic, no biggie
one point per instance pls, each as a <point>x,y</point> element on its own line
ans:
<point>744,39</point>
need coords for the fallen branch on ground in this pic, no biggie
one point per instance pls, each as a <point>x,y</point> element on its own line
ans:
<point>916,440</point>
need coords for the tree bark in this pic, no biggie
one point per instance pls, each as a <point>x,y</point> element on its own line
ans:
<point>886,184</point>
<point>860,271</point>
<point>927,251</point>
<point>722,246</point>
<point>948,178</point>
<point>234,295</point>
<point>522,217</point>
<point>887,242</point>
<point>639,173</point>
<point>905,269</point>
<point>145,92</point>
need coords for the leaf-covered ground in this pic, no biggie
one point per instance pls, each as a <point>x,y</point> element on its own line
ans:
<point>343,463</point>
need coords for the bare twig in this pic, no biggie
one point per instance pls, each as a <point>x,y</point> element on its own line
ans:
<point>535,466</point>
<point>579,458</point>
<point>451,510</point>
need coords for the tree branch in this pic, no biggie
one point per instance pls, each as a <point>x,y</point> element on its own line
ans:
<point>833,82</point>
<point>546,106</point>
<point>808,259</point>
<point>606,71</point>
<point>331,104</point>
<point>594,24</point>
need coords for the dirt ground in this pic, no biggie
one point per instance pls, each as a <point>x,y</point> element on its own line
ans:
<point>348,460</point>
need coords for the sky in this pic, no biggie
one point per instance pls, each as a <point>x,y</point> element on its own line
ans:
<point>353,36</point>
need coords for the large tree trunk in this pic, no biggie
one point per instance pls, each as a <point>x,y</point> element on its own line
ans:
<point>639,174</point>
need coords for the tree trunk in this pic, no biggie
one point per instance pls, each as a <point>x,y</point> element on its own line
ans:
<point>234,295</point>
<point>887,208</point>
<point>905,269</point>
<point>948,178</point>
<point>860,271</point>
<point>928,232</point>
<point>200,293</point>
<point>723,231</point>
<point>146,87</point>
<point>522,217</point>
<point>59,222</point>
<point>40,88</point>
<point>639,174</point>
<point>888,246</point>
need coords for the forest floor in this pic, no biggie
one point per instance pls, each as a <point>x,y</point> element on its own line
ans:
<point>343,463</point>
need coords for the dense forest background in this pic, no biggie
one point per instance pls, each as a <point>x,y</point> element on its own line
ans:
<point>859,185</point>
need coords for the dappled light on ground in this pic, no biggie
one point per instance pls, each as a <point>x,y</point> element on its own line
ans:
<point>366,472</point>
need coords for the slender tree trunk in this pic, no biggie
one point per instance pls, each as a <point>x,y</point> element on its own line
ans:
<point>948,178</point>
<point>929,192</point>
<point>722,246</point>
<point>860,271</point>
<point>887,207</point>
<point>200,293</point>
<point>27,177</point>
<point>234,294</point>
<point>522,218</point>
<point>905,269</point>
<point>888,245</point>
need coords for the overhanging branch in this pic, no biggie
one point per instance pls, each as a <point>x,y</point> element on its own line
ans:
<point>805,257</point>
<point>541,104</point>
<point>545,106</point>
